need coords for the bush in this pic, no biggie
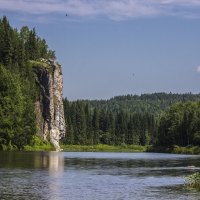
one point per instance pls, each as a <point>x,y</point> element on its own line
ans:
<point>39,145</point>
<point>186,150</point>
<point>193,180</point>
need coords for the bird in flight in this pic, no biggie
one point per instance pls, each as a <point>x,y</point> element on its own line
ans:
<point>66,14</point>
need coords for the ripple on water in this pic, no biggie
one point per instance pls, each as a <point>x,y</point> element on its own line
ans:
<point>99,176</point>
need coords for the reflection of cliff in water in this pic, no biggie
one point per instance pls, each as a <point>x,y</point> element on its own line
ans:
<point>51,161</point>
<point>56,163</point>
<point>56,168</point>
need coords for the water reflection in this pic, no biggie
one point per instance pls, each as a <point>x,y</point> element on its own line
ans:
<point>30,175</point>
<point>52,161</point>
<point>56,169</point>
<point>56,163</point>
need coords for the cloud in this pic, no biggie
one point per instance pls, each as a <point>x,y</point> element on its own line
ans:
<point>112,9</point>
<point>198,69</point>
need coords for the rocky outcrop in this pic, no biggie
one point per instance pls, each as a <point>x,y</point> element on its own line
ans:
<point>49,106</point>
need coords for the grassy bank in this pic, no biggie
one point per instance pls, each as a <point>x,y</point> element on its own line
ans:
<point>39,145</point>
<point>44,147</point>
<point>103,148</point>
<point>186,150</point>
<point>175,149</point>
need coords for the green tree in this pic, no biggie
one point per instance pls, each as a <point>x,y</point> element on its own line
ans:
<point>80,123</point>
<point>95,124</point>
<point>5,42</point>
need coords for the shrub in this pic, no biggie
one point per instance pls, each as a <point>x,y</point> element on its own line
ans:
<point>193,180</point>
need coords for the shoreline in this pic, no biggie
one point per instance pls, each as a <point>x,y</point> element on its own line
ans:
<point>193,150</point>
<point>103,148</point>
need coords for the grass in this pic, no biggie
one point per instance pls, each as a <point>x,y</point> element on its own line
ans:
<point>103,148</point>
<point>39,148</point>
<point>175,149</point>
<point>39,145</point>
<point>39,64</point>
<point>47,146</point>
<point>186,150</point>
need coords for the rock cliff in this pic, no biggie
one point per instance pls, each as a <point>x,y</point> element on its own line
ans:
<point>49,106</point>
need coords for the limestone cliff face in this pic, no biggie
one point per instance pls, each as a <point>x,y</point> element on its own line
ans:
<point>49,107</point>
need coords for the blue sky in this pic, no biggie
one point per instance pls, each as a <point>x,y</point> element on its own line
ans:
<point>117,47</point>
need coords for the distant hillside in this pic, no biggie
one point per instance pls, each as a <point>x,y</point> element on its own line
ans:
<point>151,103</point>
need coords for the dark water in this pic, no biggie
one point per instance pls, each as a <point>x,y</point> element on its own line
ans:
<point>95,176</point>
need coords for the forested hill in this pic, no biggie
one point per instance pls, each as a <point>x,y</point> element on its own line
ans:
<point>152,103</point>
<point>130,119</point>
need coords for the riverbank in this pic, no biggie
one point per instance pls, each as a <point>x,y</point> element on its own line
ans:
<point>40,145</point>
<point>175,149</point>
<point>103,148</point>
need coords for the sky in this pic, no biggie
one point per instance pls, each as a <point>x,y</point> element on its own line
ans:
<point>117,47</point>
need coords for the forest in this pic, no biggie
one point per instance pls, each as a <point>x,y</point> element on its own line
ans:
<point>158,119</point>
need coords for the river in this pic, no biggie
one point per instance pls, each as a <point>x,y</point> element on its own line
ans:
<point>96,176</point>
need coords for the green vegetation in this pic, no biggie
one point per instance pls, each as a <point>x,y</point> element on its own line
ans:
<point>120,121</point>
<point>87,125</point>
<point>175,149</point>
<point>37,144</point>
<point>39,64</point>
<point>186,150</point>
<point>193,180</point>
<point>103,148</point>
<point>180,125</point>
<point>19,53</point>
<point>154,103</point>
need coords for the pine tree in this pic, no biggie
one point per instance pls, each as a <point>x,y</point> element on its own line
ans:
<point>121,128</point>
<point>88,118</point>
<point>31,46</point>
<point>5,43</point>
<point>73,121</point>
<point>80,123</point>
<point>95,124</point>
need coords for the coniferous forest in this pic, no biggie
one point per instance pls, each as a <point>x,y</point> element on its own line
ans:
<point>157,119</point>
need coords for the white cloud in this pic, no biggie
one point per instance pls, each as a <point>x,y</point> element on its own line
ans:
<point>198,69</point>
<point>113,9</point>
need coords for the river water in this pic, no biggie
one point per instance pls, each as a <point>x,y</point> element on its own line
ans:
<point>96,176</point>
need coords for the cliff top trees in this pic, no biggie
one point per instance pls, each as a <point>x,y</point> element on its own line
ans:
<point>16,47</point>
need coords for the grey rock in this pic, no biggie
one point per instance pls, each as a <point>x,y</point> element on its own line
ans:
<point>49,108</point>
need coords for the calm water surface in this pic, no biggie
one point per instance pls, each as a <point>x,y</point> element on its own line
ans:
<point>95,176</point>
